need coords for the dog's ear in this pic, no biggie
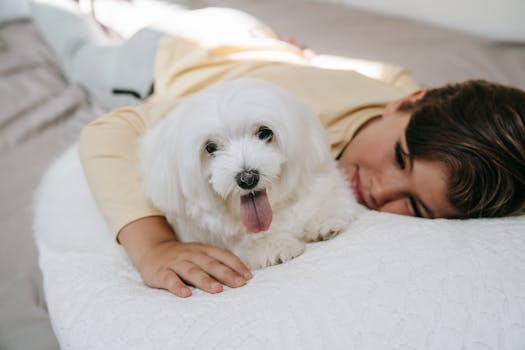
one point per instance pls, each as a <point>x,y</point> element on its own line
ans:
<point>194,121</point>
<point>171,159</point>
<point>193,177</point>
<point>309,142</point>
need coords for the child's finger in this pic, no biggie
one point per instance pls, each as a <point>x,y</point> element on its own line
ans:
<point>231,260</point>
<point>200,279</point>
<point>171,281</point>
<point>220,272</point>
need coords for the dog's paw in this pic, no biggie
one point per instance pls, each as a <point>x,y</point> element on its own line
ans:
<point>270,251</point>
<point>326,226</point>
<point>323,231</point>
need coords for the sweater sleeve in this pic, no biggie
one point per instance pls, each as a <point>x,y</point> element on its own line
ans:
<point>108,153</point>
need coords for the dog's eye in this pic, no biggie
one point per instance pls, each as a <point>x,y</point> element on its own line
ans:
<point>265,134</point>
<point>211,147</point>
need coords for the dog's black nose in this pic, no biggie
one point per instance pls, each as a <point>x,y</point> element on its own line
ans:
<point>247,179</point>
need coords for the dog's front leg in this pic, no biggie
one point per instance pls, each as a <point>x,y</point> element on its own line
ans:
<point>260,250</point>
<point>332,206</point>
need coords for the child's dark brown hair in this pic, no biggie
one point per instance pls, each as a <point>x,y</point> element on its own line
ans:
<point>477,129</point>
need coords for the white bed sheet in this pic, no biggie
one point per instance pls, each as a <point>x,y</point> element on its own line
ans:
<point>389,282</point>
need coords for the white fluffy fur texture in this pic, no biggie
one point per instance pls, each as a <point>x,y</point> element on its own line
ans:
<point>308,194</point>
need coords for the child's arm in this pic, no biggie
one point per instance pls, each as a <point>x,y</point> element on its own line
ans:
<point>165,263</point>
<point>108,152</point>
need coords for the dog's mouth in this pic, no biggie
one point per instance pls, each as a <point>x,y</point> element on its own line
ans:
<point>256,212</point>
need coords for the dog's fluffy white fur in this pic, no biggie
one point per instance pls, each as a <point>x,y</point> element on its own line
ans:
<point>245,165</point>
<point>301,194</point>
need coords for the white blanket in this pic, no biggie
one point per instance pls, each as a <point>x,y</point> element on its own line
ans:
<point>390,282</point>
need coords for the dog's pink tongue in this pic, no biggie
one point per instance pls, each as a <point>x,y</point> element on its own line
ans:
<point>256,212</point>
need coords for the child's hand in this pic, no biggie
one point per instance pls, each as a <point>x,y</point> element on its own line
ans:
<point>165,263</point>
<point>171,265</point>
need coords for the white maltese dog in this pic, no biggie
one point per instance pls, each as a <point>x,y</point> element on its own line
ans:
<point>244,165</point>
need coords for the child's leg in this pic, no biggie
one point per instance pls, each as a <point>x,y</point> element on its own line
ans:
<point>13,10</point>
<point>217,26</point>
<point>90,59</point>
<point>122,73</point>
<point>212,25</point>
<point>119,74</point>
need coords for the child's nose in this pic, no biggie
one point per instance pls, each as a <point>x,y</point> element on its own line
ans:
<point>388,188</point>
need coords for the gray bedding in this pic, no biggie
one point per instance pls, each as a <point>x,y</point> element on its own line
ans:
<point>41,113</point>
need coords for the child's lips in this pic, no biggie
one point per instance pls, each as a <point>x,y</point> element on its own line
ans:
<point>356,187</point>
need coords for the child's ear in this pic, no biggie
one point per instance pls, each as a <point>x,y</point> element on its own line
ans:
<point>416,95</point>
<point>393,106</point>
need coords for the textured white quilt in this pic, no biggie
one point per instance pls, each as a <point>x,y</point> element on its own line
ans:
<point>390,282</point>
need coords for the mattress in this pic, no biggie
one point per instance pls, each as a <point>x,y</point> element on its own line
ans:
<point>388,282</point>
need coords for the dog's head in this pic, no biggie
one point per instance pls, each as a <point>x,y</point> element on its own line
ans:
<point>237,148</point>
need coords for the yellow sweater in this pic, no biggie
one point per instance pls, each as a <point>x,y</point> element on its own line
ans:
<point>343,98</point>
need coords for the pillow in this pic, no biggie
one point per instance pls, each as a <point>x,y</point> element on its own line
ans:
<point>388,282</point>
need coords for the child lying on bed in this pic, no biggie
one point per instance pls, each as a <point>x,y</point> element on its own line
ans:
<point>457,151</point>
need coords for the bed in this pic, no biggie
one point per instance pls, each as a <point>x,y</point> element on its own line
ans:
<point>480,271</point>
